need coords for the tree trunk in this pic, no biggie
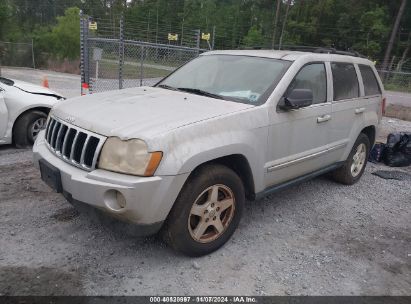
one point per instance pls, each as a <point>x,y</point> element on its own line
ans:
<point>404,54</point>
<point>277,12</point>
<point>393,34</point>
<point>285,23</point>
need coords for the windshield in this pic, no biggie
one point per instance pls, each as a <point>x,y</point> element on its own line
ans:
<point>237,78</point>
<point>6,81</point>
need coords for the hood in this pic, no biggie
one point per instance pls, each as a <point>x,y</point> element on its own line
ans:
<point>141,112</point>
<point>34,89</point>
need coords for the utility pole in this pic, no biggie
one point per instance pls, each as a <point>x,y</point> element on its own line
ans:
<point>32,53</point>
<point>284,24</point>
<point>393,34</point>
<point>277,13</point>
<point>157,24</point>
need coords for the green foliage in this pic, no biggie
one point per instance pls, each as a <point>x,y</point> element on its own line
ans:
<point>254,37</point>
<point>363,25</point>
<point>65,36</point>
<point>60,41</point>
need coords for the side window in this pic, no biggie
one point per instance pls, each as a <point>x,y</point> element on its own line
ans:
<point>371,86</point>
<point>313,77</point>
<point>345,81</point>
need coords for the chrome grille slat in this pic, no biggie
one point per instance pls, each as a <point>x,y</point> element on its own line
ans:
<point>53,133</point>
<point>50,130</point>
<point>83,152</point>
<point>76,146</point>
<point>58,137</point>
<point>73,146</point>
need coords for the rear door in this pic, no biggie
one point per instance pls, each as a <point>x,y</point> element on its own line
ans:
<point>3,114</point>
<point>346,94</point>
<point>371,100</point>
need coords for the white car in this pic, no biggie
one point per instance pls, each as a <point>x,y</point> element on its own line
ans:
<point>23,111</point>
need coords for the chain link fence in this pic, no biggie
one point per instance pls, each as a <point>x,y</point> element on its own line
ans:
<point>117,63</point>
<point>17,54</point>
<point>396,81</point>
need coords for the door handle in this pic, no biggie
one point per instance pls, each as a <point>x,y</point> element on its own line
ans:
<point>359,110</point>
<point>323,118</point>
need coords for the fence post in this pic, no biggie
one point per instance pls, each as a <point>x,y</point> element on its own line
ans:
<point>32,53</point>
<point>213,41</point>
<point>198,40</point>
<point>121,54</point>
<point>142,50</point>
<point>82,52</point>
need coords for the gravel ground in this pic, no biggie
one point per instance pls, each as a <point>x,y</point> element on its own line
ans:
<point>317,238</point>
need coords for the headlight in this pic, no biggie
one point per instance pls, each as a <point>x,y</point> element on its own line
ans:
<point>130,157</point>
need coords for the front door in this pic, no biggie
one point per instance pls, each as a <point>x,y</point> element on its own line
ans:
<point>298,139</point>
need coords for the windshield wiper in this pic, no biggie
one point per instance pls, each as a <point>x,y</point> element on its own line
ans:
<point>167,87</point>
<point>201,92</point>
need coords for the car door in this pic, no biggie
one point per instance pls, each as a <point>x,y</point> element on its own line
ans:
<point>298,138</point>
<point>370,102</point>
<point>345,108</point>
<point>3,114</point>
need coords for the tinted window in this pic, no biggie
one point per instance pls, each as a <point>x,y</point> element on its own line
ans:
<point>371,86</point>
<point>6,81</point>
<point>345,81</point>
<point>312,77</point>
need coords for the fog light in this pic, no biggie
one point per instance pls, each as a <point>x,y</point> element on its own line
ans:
<point>121,200</point>
<point>115,200</point>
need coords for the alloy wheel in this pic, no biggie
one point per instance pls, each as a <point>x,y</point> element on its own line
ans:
<point>211,213</point>
<point>359,159</point>
<point>37,126</point>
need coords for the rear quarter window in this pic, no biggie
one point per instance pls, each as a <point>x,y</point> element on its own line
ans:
<point>371,86</point>
<point>345,81</point>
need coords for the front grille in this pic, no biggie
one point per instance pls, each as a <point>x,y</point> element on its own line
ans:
<point>72,144</point>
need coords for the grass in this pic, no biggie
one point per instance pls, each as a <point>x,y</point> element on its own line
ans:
<point>109,70</point>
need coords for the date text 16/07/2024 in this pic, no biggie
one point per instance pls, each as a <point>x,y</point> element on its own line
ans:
<point>199,299</point>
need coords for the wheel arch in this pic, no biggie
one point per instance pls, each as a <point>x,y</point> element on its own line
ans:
<point>240,165</point>
<point>43,109</point>
<point>371,132</point>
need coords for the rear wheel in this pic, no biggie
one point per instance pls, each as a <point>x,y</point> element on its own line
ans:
<point>207,211</point>
<point>354,166</point>
<point>27,128</point>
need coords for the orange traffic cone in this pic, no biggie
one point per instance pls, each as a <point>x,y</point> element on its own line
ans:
<point>45,82</point>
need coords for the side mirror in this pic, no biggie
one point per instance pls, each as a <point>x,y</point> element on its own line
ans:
<point>298,98</point>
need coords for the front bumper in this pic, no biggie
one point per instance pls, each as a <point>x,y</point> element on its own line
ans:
<point>148,199</point>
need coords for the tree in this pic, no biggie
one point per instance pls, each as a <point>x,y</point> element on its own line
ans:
<point>254,37</point>
<point>393,34</point>
<point>277,12</point>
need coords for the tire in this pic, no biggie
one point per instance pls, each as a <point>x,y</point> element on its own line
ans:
<point>346,175</point>
<point>27,127</point>
<point>184,226</point>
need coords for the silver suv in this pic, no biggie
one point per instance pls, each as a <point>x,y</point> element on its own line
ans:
<point>181,157</point>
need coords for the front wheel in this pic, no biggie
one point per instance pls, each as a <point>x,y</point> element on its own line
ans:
<point>207,211</point>
<point>27,128</point>
<point>354,166</point>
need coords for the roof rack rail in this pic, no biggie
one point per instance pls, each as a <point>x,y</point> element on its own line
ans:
<point>335,51</point>
<point>324,50</point>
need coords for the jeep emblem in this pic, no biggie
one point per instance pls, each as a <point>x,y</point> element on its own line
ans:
<point>70,119</point>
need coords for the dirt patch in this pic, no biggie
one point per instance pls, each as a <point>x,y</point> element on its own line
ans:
<point>65,214</point>
<point>24,281</point>
<point>398,111</point>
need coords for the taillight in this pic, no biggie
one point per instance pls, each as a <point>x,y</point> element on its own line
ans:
<point>383,106</point>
